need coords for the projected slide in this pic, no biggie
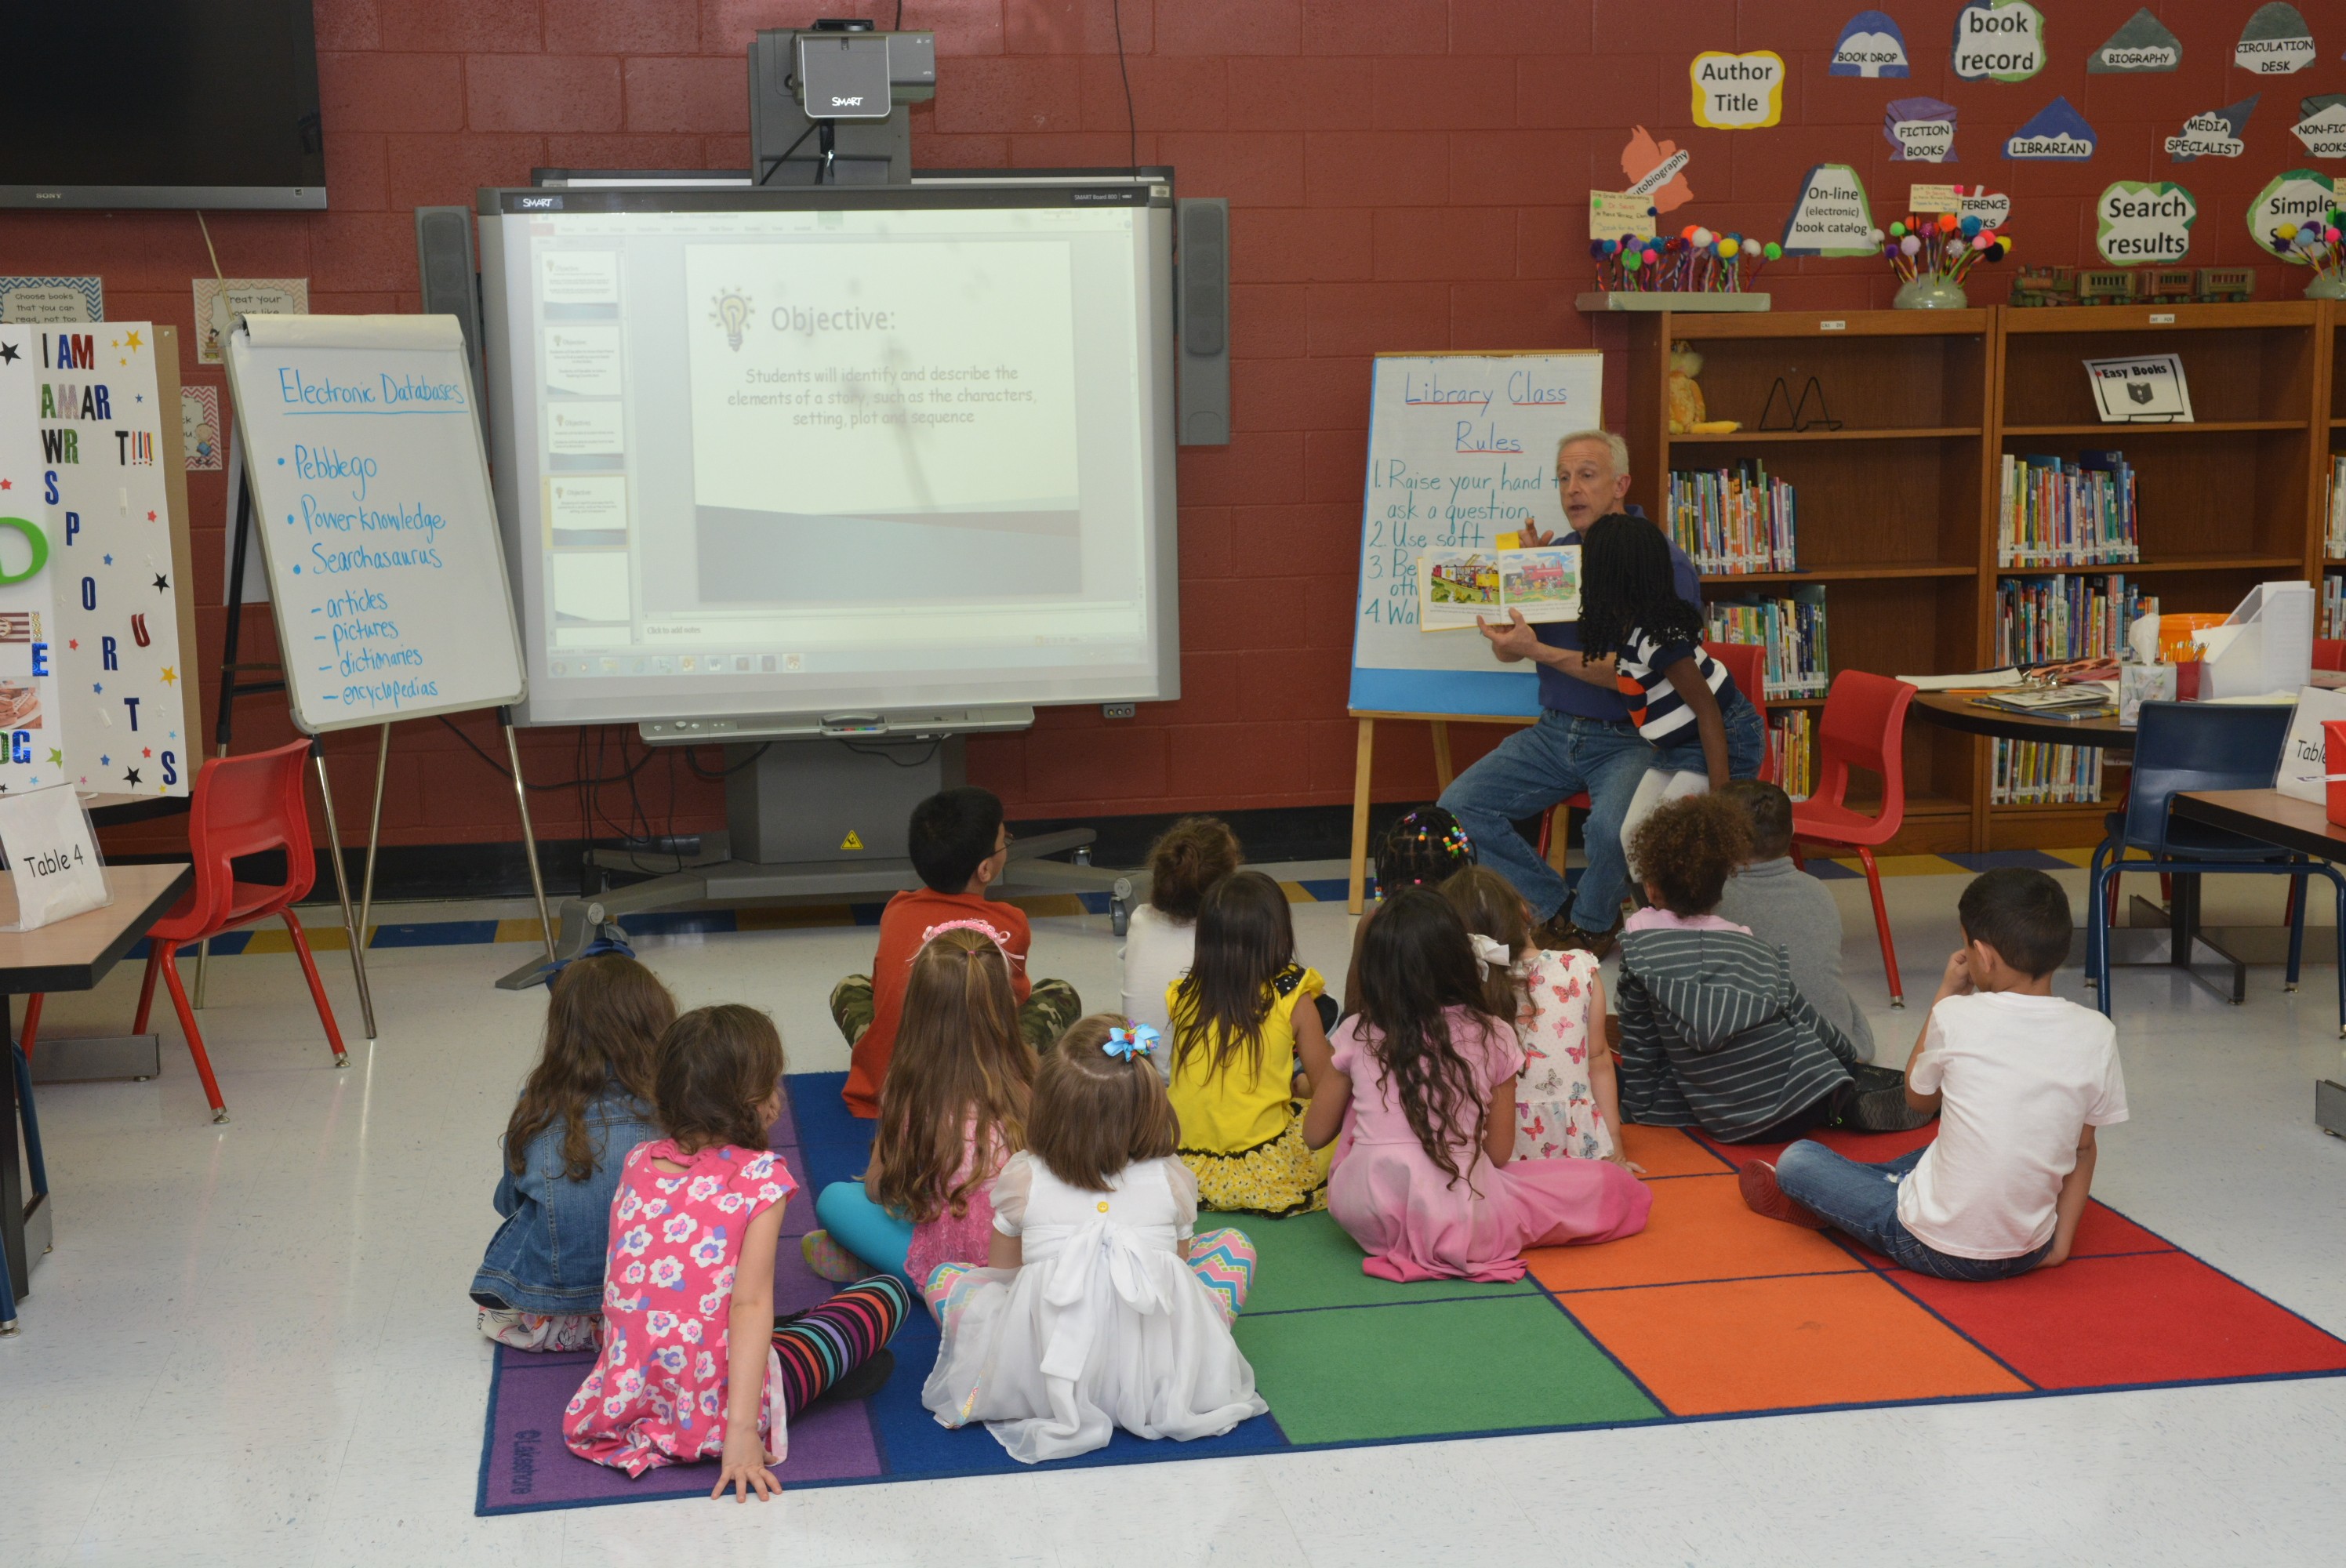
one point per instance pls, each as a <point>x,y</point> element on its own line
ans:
<point>790,457</point>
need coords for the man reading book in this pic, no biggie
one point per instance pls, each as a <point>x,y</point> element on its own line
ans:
<point>1584,740</point>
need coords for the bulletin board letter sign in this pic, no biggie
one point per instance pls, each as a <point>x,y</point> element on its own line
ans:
<point>2300,196</point>
<point>1830,217</point>
<point>1737,92</point>
<point>2145,222</point>
<point>1999,41</point>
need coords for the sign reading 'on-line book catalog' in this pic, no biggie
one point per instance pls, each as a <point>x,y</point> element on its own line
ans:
<point>370,497</point>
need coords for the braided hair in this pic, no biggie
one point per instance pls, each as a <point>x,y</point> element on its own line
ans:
<point>1628,585</point>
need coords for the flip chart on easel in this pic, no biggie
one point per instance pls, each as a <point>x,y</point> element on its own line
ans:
<point>1461,448</point>
<point>372,500</point>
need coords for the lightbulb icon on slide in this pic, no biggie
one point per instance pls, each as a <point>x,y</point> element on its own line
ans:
<point>732,313</point>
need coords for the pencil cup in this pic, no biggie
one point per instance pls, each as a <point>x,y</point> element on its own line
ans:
<point>1930,293</point>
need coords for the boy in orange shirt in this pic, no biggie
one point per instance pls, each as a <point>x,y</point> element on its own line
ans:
<point>958,847</point>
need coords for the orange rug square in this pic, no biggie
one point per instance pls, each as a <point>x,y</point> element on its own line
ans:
<point>1670,1152</point>
<point>1785,1344</point>
<point>1699,1231</point>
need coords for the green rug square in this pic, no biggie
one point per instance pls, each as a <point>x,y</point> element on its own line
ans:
<point>1371,1373</point>
<point>1309,1262</point>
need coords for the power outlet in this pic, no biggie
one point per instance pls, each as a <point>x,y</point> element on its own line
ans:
<point>1115,710</point>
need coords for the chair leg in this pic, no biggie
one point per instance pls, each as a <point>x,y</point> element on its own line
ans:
<point>32,1024</point>
<point>2295,931</point>
<point>147,986</point>
<point>2094,869</point>
<point>2340,884</point>
<point>1882,926</point>
<point>2097,934</point>
<point>317,990</point>
<point>194,1037</point>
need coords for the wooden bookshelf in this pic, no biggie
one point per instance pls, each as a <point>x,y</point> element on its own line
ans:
<point>1889,503</point>
<point>1898,507</point>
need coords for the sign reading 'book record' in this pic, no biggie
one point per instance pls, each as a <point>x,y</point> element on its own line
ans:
<point>1461,450</point>
<point>372,500</point>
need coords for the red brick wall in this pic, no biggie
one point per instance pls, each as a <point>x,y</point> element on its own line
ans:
<point>1403,173</point>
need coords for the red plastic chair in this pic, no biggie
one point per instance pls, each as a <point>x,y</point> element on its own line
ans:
<point>1748,663</point>
<point>1862,725</point>
<point>242,805</point>
<point>2330,653</point>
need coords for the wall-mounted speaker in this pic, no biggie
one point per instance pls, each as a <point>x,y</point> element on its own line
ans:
<point>451,280</point>
<point>1202,319</point>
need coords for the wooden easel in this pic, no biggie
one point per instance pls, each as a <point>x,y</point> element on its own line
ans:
<point>1362,767</point>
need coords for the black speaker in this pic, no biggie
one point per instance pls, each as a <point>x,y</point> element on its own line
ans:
<point>1202,317</point>
<point>451,279</point>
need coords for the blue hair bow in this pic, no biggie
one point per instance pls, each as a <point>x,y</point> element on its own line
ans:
<point>1139,1040</point>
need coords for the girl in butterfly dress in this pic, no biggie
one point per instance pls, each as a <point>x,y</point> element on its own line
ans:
<point>1567,1104</point>
<point>1102,1306</point>
<point>694,1364</point>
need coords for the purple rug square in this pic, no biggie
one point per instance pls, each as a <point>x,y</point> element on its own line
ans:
<point>527,1466</point>
<point>784,1132</point>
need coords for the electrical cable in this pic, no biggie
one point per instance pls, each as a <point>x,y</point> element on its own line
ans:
<point>694,762</point>
<point>773,164</point>
<point>1131,122</point>
<point>921,761</point>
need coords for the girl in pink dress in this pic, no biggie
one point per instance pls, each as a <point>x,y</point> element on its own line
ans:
<point>1424,1185</point>
<point>694,1365</point>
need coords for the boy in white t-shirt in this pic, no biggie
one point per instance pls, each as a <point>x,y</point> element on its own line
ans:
<point>2020,1078</point>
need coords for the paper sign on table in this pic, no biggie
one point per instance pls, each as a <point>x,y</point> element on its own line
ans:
<point>2303,766</point>
<point>52,857</point>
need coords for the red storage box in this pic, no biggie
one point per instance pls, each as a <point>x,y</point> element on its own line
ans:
<point>2333,757</point>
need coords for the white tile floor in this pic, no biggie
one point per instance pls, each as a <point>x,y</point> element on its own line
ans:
<point>252,1345</point>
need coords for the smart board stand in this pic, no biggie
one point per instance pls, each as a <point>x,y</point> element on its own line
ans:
<point>1365,756</point>
<point>825,820</point>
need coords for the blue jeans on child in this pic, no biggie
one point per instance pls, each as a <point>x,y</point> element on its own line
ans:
<point>1529,772</point>
<point>1747,742</point>
<point>1863,1200</point>
<point>865,1229</point>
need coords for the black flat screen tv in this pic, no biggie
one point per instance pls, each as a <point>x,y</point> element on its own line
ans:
<point>162,103</point>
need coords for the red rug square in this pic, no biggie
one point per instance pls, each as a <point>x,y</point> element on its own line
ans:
<point>2100,1322</point>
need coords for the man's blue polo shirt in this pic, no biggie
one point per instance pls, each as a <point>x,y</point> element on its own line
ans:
<point>1574,697</point>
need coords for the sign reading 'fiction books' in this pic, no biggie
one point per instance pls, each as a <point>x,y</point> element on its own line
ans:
<point>1920,130</point>
<point>2140,222</point>
<point>1999,41</point>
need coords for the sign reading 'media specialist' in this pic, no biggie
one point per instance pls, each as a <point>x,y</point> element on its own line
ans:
<point>2142,222</point>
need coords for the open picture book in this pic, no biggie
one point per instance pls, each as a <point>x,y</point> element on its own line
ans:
<point>1454,586</point>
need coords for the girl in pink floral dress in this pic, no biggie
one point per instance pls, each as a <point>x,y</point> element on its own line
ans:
<point>1566,1104</point>
<point>689,1279</point>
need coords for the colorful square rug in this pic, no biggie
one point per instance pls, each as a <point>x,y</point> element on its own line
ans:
<point>1711,1311</point>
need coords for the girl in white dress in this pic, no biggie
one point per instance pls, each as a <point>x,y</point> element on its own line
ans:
<point>1101,1309</point>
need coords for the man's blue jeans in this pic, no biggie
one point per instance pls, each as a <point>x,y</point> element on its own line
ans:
<point>1863,1200</point>
<point>1529,772</point>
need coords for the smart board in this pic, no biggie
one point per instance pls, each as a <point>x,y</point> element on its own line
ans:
<point>1461,448</point>
<point>362,448</point>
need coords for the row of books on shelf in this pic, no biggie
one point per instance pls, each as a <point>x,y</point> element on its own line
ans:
<point>2044,773</point>
<point>1792,751</point>
<point>2054,513</point>
<point>1735,520</point>
<point>1791,628</point>
<point>2042,620</point>
<point>2334,606</point>
<point>2333,533</point>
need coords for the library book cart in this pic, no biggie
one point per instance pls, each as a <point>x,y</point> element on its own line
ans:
<point>1890,426</point>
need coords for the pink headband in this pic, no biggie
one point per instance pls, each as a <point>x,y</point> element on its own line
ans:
<point>979,926</point>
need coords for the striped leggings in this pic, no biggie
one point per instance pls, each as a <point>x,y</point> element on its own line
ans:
<point>819,1347</point>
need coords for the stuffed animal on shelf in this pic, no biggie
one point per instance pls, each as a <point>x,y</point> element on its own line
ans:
<point>1689,416</point>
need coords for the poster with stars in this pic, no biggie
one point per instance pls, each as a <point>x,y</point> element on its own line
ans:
<point>28,682</point>
<point>115,483</point>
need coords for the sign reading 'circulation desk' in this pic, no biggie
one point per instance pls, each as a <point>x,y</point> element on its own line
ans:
<point>1999,41</point>
<point>2143,222</point>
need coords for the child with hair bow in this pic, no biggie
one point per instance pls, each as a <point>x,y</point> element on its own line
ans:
<point>1101,1306</point>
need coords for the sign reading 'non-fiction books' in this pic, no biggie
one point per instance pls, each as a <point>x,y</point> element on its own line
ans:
<point>1999,41</point>
<point>2140,222</point>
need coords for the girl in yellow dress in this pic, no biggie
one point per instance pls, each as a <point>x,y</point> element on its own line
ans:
<point>1247,1039</point>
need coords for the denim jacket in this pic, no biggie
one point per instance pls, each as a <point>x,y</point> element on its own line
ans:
<point>547,1256</point>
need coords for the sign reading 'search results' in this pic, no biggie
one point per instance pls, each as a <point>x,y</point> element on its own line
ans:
<point>371,501</point>
<point>1461,449</point>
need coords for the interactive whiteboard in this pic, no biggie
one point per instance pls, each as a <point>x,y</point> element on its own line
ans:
<point>1461,448</point>
<point>372,500</point>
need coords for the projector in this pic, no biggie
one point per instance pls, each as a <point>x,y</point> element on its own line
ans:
<point>844,75</point>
